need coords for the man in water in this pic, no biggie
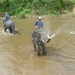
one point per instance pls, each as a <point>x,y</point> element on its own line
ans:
<point>7,17</point>
<point>39,23</point>
<point>39,37</point>
<point>39,28</point>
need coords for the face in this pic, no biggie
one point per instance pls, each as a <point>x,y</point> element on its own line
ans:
<point>39,19</point>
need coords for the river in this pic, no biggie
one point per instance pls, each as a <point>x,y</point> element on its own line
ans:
<point>17,55</point>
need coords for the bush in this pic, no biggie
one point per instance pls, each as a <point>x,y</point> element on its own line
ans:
<point>23,13</point>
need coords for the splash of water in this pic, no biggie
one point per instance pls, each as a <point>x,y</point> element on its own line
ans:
<point>62,27</point>
<point>5,33</point>
<point>52,36</point>
<point>47,26</point>
<point>72,32</point>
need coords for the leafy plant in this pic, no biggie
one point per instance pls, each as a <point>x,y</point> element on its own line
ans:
<point>39,7</point>
<point>23,13</point>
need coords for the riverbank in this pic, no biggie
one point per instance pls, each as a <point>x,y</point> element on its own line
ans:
<point>68,14</point>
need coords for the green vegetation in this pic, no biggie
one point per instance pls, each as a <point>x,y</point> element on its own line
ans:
<point>35,7</point>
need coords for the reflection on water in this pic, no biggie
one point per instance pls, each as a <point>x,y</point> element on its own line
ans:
<point>17,56</point>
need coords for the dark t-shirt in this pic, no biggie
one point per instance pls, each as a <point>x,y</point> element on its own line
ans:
<point>39,23</point>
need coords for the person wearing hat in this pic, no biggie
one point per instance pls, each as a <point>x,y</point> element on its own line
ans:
<point>40,37</point>
<point>39,23</point>
<point>7,17</point>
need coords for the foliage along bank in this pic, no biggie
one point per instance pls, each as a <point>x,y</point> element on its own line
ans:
<point>35,7</point>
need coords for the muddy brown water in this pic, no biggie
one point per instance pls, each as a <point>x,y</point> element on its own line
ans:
<point>17,56</point>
